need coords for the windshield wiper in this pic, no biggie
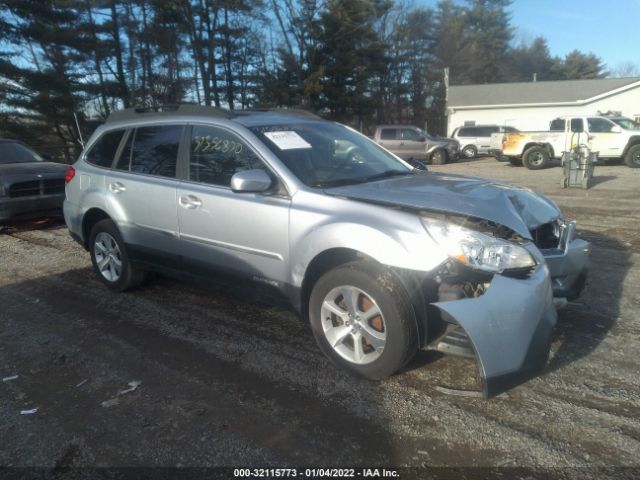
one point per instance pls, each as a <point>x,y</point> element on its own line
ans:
<point>387,174</point>
<point>354,181</point>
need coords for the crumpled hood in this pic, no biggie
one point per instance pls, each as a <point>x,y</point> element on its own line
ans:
<point>517,208</point>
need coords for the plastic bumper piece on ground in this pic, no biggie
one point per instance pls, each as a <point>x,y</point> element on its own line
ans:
<point>569,269</point>
<point>510,327</point>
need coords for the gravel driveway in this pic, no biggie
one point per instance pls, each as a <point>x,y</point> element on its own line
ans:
<point>227,381</point>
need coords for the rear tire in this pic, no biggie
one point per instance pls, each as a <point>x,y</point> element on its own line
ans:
<point>632,158</point>
<point>110,258</point>
<point>374,346</point>
<point>438,157</point>
<point>535,158</point>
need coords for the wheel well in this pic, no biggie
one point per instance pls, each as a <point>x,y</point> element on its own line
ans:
<point>332,258</point>
<point>93,216</point>
<point>633,141</point>
<point>321,264</point>
<point>546,146</point>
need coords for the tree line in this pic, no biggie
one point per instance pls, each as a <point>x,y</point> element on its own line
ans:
<point>360,62</point>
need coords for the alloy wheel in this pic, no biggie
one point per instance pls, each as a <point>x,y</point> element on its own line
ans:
<point>108,256</point>
<point>353,324</point>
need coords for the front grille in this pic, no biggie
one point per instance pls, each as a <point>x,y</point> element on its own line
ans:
<point>547,236</point>
<point>49,186</point>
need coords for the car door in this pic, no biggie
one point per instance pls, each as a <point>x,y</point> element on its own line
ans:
<point>603,140</point>
<point>413,144</point>
<point>245,235</point>
<point>142,189</point>
<point>483,140</point>
<point>390,139</point>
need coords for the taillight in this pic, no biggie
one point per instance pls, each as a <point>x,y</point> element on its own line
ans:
<point>504,141</point>
<point>71,172</point>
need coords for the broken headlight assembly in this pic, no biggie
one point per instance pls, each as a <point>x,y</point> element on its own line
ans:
<point>477,250</point>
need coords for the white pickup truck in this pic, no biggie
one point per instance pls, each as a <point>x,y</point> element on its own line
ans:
<point>611,137</point>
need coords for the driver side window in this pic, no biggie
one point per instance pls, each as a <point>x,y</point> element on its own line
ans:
<point>411,135</point>
<point>215,155</point>
<point>599,125</point>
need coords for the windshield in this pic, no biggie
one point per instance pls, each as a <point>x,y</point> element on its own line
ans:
<point>16,153</point>
<point>323,154</point>
<point>626,123</point>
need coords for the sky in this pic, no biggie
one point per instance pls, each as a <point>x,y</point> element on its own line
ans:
<point>608,28</point>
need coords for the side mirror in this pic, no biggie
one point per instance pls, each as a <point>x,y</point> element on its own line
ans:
<point>417,164</point>
<point>616,129</point>
<point>249,181</point>
<point>422,139</point>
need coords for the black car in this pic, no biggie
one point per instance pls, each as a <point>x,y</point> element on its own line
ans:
<point>29,185</point>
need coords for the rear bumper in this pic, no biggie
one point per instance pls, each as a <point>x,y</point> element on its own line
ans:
<point>33,206</point>
<point>509,328</point>
<point>73,219</point>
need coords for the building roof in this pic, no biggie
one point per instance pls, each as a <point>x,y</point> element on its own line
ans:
<point>532,93</point>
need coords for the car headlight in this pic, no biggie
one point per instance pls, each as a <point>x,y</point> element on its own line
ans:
<point>476,249</point>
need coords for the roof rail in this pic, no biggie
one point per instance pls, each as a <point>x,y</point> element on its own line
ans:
<point>174,109</point>
<point>291,111</point>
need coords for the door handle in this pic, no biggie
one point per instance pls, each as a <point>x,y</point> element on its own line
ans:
<point>190,202</point>
<point>117,187</point>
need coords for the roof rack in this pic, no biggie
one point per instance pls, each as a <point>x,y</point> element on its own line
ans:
<point>173,109</point>
<point>291,111</point>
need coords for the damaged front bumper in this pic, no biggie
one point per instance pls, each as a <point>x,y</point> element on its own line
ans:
<point>508,327</point>
<point>568,264</point>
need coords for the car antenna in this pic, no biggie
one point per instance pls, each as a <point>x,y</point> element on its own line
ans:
<point>78,127</point>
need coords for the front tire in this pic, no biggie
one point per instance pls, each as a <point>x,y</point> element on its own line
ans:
<point>469,151</point>
<point>110,258</point>
<point>632,158</point>
<point>438,157</point>
<point>535,158</point>
<point>362,320</point>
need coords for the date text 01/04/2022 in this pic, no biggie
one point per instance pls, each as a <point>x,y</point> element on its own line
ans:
<point>315,473</point>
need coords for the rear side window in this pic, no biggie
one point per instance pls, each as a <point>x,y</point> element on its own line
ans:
<point>154,150</point>
<point>557,125</point>
<point>104,150</point>
<point>217,154</point>
<point>388,134</point>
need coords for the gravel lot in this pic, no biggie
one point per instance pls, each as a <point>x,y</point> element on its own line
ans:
<point>227,381</point>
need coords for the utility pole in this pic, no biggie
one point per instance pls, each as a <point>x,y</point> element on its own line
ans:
<point>446,100</point>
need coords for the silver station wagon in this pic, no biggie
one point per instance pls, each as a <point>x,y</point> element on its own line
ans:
<point>380,258</point>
